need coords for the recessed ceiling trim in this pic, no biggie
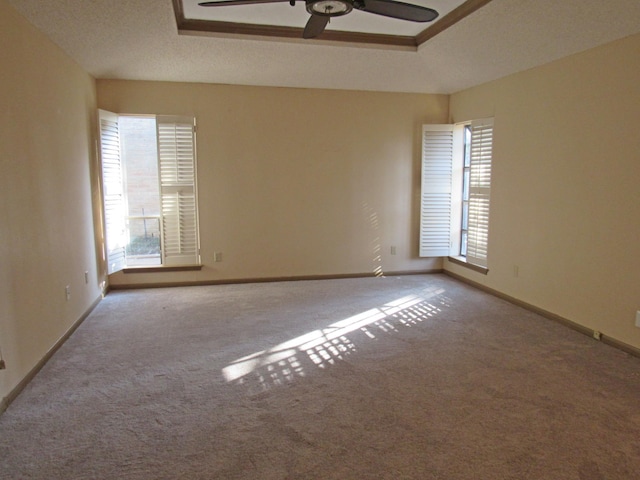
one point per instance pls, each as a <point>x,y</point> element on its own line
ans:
<point>453,17</point>
<point>246,30</point>
<point>216,28</point>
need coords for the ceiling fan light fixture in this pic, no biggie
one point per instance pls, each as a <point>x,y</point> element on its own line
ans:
<point>321,11</point>
<point>329,8</point>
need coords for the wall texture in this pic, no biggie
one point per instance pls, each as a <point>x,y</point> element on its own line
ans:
<point>565,194</point>
<point>296,182</point>
<point>46,220</point>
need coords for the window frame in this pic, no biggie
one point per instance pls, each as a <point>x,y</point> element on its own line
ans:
<point>443,174</point>
<point>115,243</point>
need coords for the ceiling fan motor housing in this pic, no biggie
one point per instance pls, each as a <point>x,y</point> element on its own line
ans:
<point>329,8</point>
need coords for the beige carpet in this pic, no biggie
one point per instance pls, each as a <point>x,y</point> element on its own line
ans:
<point>416,377</point>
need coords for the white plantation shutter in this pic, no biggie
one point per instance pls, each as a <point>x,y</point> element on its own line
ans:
<point>113,194</point>
<point>480,191</point>
<point>176,164</point>
<point>436,198</point>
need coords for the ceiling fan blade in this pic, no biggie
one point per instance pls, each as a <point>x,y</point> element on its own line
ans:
<point>226,3</point>
<point>403,11</point>
<point>315,26</point>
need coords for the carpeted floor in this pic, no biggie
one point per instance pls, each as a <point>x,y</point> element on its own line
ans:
<point>416,377</point>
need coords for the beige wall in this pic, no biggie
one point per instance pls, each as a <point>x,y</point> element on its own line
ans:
<point>296,182</point>
<point>566,186</point>
<point>46,226</point>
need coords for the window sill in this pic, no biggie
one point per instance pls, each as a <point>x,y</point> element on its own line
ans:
<point>462,261</point>
<point>163,268</point>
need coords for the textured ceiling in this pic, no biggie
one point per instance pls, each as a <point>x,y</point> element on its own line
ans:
<point>138,39</point>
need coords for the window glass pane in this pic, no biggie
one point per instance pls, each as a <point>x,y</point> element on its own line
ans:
<point>466,176</point>
<point>143,247</point>
<point>465,185</point>
<point>467,146</point>
<point>140,159</point>
<point>140,163</point>
<point>465,216</point>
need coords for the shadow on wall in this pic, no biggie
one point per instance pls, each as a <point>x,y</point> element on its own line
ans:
<point>324,347</point>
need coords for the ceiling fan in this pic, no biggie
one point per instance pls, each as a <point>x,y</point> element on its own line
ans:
<point>322,10</point>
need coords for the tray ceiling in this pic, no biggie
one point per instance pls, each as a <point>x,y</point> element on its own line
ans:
<point>284,21</point>
<point>141,40</point>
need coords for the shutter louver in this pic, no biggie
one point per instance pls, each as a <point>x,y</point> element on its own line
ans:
<point>112,190</point>
<point>437,171</point>
<point>480,191</point>
<point>176,161</point>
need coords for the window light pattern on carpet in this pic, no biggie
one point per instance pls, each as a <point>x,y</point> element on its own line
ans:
<point>327,346</point>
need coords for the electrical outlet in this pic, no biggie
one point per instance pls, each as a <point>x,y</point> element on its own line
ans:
<point>516,270</point>
<point>67,291</point>
<point>393,249</point>
<point>597,335</point>
<point>217,257</point>
<point>638,319</point>
<point>86,277</point>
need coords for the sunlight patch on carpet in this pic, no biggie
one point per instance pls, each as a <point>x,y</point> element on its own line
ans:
<point>326,346</point>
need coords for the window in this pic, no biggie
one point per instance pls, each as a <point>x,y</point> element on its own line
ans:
<point>456,190</point>
<point>149,190</point>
